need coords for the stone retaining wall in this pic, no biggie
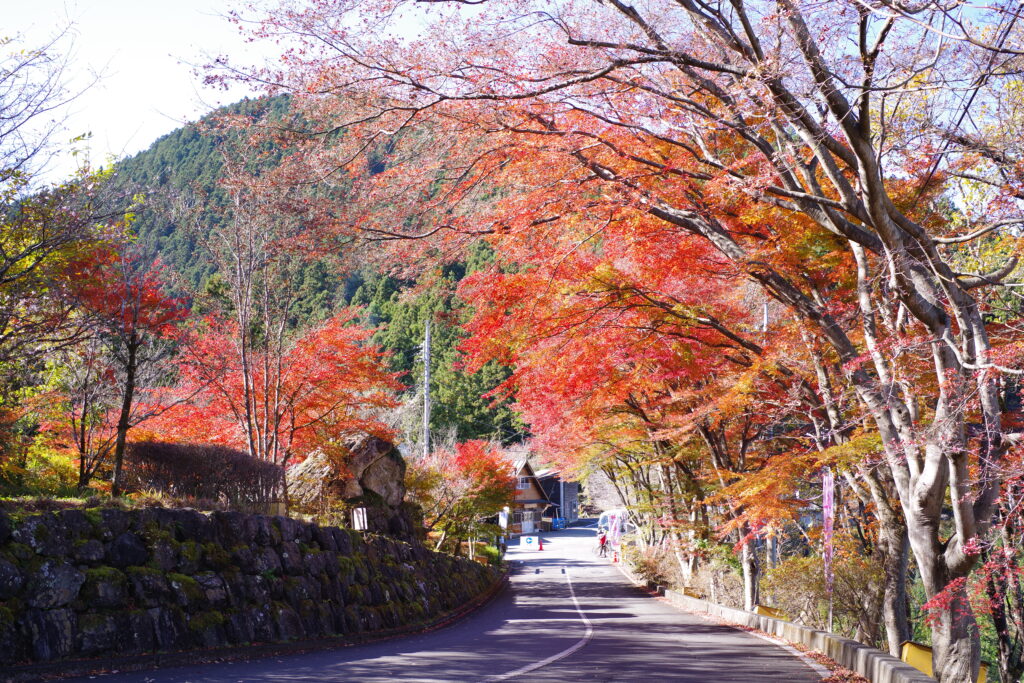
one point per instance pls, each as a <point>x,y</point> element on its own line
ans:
<point>105,582</point>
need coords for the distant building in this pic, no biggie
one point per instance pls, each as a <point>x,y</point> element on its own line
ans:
<point>564,494</point>
<point>531,502</point>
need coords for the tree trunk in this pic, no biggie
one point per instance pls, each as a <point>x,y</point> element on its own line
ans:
<point>1011,663</point>
<point>284,487</point>
<point>895,555</point>
<point>944,567</point>
<point>83,470</point>
<point>83,461</point>
<point>751,576</point>
<point>956,646</point>
<point>772,555</point>
<point>676,538</point>
<point>871,624</point>
<point>688,560</point>
<point>124,421</point>
<point>1005,592</point>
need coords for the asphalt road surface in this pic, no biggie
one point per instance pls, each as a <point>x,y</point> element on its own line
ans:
<point>567,616</point>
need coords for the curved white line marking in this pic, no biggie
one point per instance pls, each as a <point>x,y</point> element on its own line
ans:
<point>560,655</point>
<point>804,657</point>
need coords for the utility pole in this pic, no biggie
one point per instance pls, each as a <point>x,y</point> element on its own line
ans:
<point>426,390</point>
<point>561,499</point>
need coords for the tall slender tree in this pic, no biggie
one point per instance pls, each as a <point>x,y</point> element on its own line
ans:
<point>136,322</point>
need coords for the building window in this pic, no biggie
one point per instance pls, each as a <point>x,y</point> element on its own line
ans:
<point>524,483</point>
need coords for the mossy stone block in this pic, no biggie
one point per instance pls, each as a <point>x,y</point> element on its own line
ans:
<point>187,591</point>
<point>215,557</point>
<point>105,588</point>
<point>11,579</point>
<point>99,633</point>
<point>149,586</point>
<point>53,584</point>
<point>190,557</point>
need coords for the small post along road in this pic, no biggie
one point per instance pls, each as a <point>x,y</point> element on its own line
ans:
<point>567,616</point>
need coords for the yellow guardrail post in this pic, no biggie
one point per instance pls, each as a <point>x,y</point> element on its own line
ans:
<point>772,612</point>
<point>920,657</point>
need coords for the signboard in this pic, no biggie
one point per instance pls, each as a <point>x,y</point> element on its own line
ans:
<point>529,542</point>
<point>359,519</point>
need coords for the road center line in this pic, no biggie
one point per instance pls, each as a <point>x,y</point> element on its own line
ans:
<point>560,655</point>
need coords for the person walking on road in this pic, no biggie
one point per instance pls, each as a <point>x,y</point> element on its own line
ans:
<point>602,545</point>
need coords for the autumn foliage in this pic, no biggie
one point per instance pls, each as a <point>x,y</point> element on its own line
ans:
<point>736,244</point>
<point>325,387</point>
<point>459,488</point>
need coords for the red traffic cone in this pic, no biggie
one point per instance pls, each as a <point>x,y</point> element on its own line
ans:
<point>540,543</point>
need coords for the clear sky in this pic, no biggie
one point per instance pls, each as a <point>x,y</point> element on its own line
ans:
<point>143,52</point>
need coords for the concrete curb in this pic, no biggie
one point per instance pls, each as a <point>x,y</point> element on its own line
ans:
<point>81,667</point>
<point>875,665</point>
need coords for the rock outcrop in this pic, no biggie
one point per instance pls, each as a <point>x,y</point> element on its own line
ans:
<point>369,474</point>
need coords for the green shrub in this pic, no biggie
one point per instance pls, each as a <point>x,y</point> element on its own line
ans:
<point>492,554</point>
<point>44,472</point>
<point>797,586</point>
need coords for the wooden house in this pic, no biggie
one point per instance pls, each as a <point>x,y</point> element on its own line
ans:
<point>531,503</point>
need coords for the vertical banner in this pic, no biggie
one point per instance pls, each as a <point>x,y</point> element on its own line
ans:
<point>828,489</point>
<point>614,529</point>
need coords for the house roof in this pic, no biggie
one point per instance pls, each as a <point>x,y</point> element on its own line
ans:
<point>552,473</point>
<point>522,464</point>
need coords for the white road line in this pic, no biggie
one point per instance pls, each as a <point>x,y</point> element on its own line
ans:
<point>561,655</point>
<point>804,657</point>
<point>817,668</point>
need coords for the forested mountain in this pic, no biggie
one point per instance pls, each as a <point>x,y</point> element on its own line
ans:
<point>458,401</point>
<point>186,165</point>
<point>185,162</point>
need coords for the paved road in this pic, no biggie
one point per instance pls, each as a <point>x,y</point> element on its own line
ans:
<point>567,616</point>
